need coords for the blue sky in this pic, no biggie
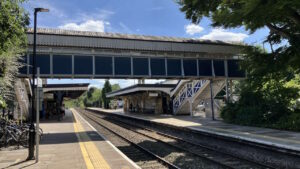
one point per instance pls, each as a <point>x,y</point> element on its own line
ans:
<point>145,17</point>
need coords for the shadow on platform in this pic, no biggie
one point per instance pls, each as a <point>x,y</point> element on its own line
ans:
<point>64,138</point>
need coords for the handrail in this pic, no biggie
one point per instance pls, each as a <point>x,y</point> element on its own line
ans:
<point>187,91</point>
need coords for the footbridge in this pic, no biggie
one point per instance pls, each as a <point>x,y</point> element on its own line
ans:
<point>79,54</point>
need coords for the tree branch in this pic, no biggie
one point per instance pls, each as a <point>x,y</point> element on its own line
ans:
<point>278,31</point>
<point>294,16</point>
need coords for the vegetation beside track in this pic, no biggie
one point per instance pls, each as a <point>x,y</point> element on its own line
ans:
<point>269,95</point>
<point>91,98</point>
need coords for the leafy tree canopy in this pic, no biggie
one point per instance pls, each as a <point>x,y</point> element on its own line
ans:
<point>106,89</point>
<point>268,97</point>
<point>282,17</point>
<point>115,87</point>
<point>13,22</point>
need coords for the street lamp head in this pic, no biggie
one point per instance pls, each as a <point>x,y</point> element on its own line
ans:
<point>41,10</point>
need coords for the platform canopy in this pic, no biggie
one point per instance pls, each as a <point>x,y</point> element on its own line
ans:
<point>67,90</point>
<point>80,54</point>
<point>166,88</point>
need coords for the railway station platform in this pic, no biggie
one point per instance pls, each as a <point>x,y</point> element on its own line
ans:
<point>70,143</point>
<point>271,137</point>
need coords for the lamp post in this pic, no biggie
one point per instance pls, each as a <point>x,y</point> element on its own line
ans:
<point>31,128</point>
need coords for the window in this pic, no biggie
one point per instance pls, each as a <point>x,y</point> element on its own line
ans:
<point>62,64</point>
<point>190,67</point>
<point>42,61</point>
<point>103,65</point>
<point>234,70</point>
<point>219,67</point>
<point>83,65</point>
<point>205,68</point>
<point>122,66</point>
<point>140,66</point>
<point>174,67</point>
<point>158,67</point>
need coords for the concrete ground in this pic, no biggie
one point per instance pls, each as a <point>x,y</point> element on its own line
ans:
<point>277,138</point>
<point>70,143</point>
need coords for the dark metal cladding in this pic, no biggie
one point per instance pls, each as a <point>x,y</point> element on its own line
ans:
<point>174,67</point>
<point>103,65</point>
<point>205,68</point>
<point>140,66</point>
<point>190,67</point>
<point>219,67</point>
<point>62,64</point>
<point>158,67</point>
<point>42,61</point>
<point>234,69</point>
<point>83,65</point>
<point>122,66</point>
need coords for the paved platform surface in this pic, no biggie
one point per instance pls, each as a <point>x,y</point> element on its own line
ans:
<point>277,138</point>
<point>70,143</point>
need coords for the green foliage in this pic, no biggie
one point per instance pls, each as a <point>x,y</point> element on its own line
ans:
<point>115,87</point>
<point>2,103</point>
<point>268,97</point>
<point>106,89</point>
<point>91,98</point>
<point>13,22</point>
<point>282,17</point>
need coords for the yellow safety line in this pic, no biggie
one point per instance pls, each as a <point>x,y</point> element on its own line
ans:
<point>92,157</point>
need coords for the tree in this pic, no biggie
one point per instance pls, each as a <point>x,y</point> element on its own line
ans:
<point>115,87</point>
<point>106,89</point>
<point>13,22</point>
<point>268,95</point>
<point>280,16</point>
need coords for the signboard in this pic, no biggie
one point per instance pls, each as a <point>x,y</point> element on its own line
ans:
<point>39,82</point>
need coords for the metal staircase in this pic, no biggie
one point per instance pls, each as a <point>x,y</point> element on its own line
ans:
<point>192,93</point>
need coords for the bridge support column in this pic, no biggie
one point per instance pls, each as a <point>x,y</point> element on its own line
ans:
<point>226,81</point>
<point>227,92</point>
<point>191,107</point>
<point>212,99</point>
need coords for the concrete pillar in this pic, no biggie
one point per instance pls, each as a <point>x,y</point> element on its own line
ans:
<point>227,92</point>
<point>125,105</point>
<point>212,100</point>
<point>191,107</point>
<point>158,107</point>
<point>141,81</point>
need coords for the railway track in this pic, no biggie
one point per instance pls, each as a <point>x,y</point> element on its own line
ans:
<point>201,156</point>
<point>136,153</point>
<point>172,157</point>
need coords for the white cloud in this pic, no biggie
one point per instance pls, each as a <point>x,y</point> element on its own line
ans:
<point>90,25</point>
<point>54,9</point>
<point>192,29</point>
<point>125,28</point>
<point>221,34</point>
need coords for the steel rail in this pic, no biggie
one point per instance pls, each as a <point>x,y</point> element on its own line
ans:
<point>194,144</point>
<point>185,141</point>
<point>177,147</point>
<point>163,161</point>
